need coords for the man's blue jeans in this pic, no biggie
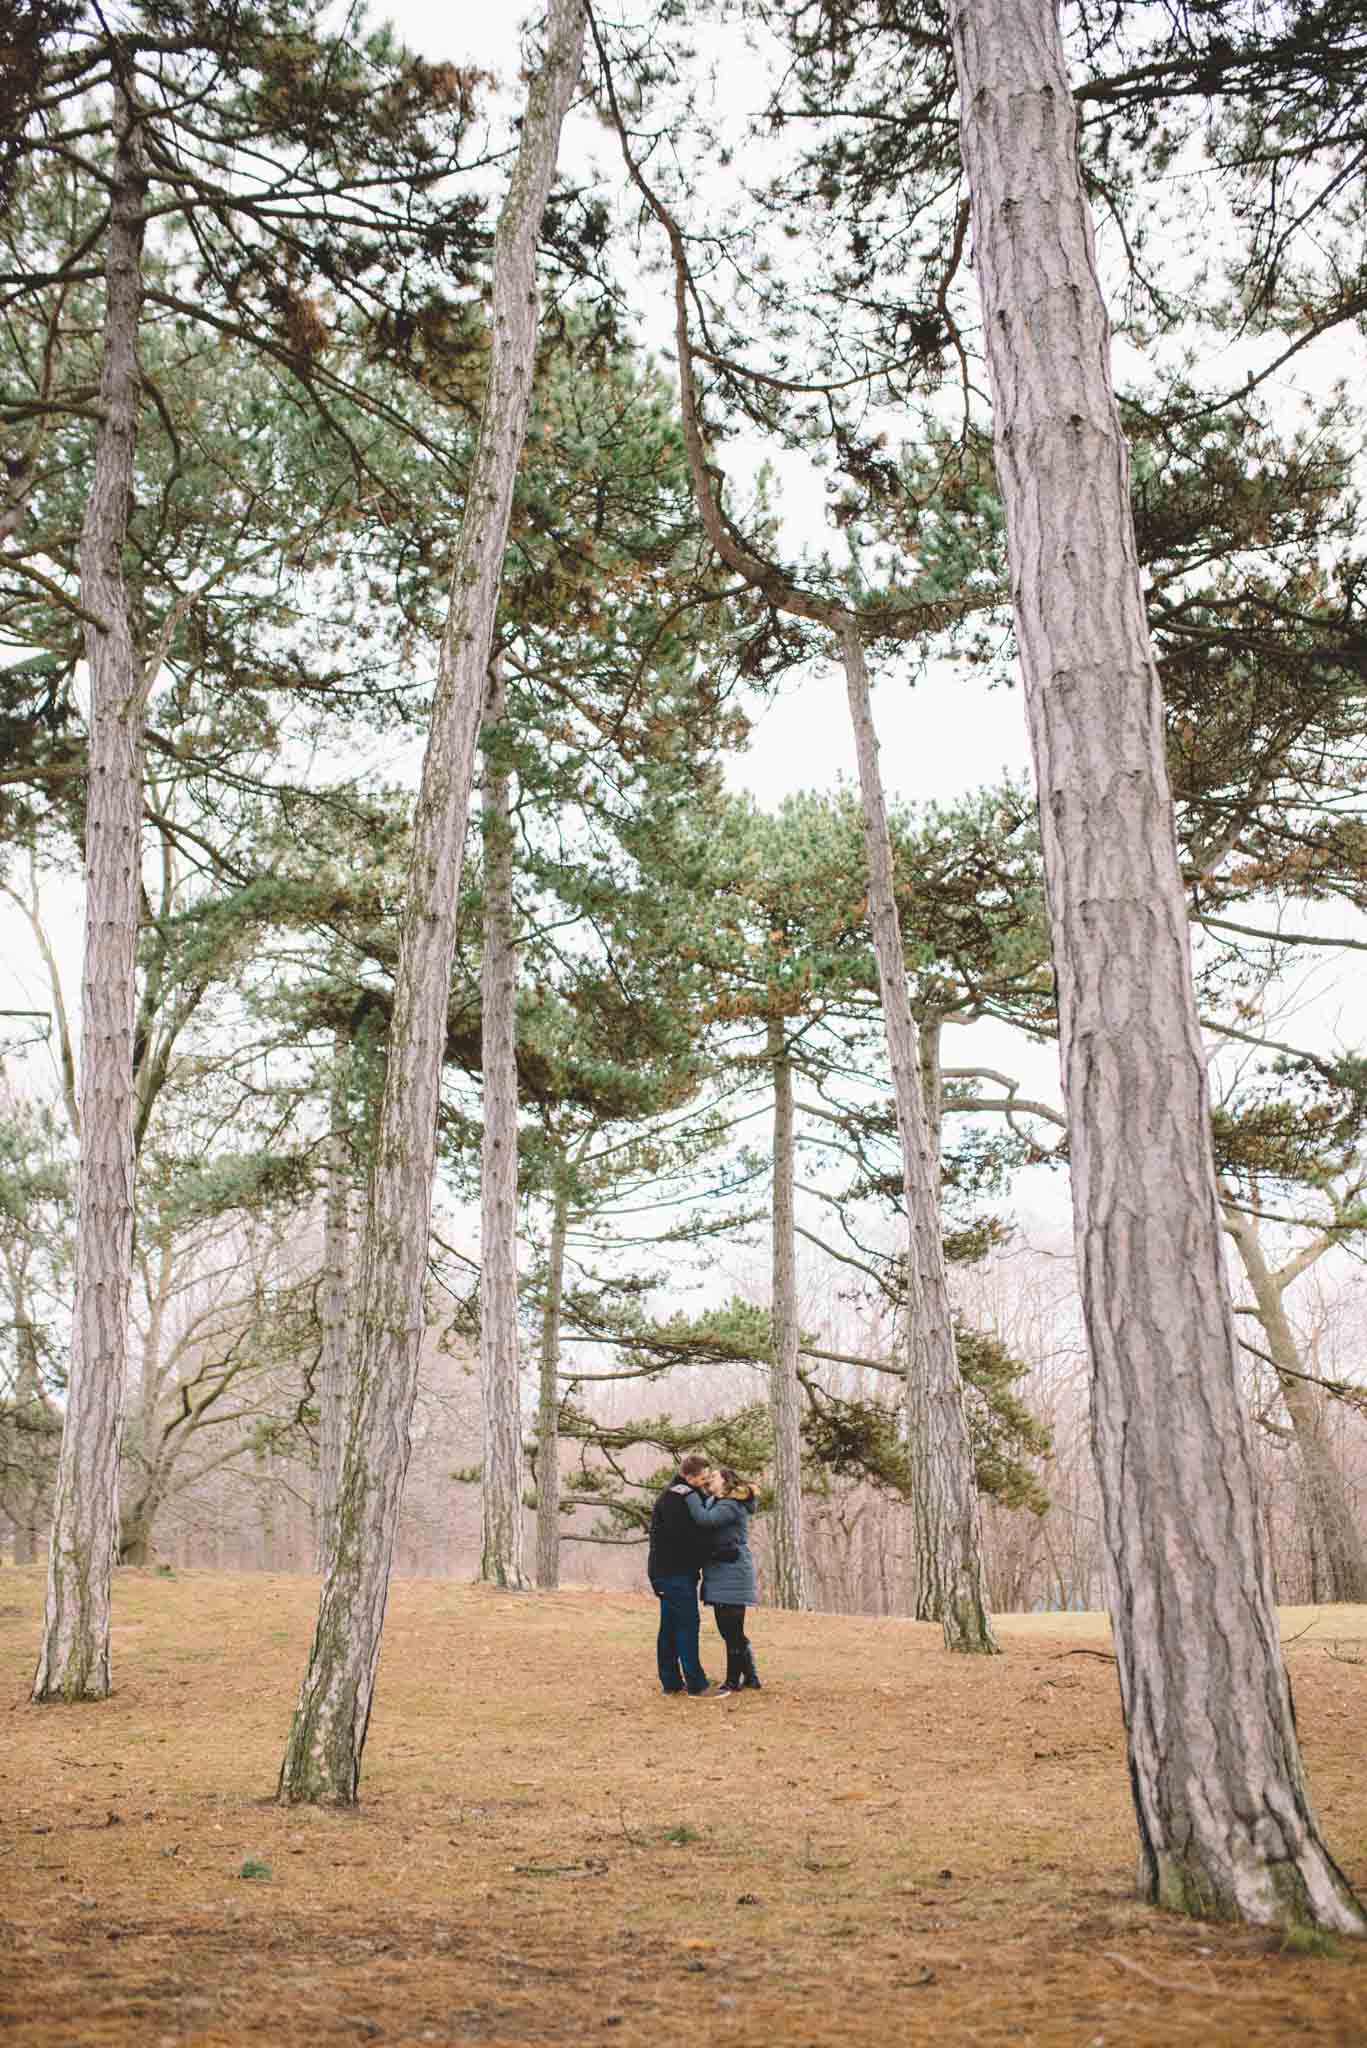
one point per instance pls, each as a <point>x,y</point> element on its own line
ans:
<point>676,1646</point>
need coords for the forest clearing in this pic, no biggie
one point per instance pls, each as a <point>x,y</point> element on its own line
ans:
<point>888,1843</point>
<point>480,1112</point>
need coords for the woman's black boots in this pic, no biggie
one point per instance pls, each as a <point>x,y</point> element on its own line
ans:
<point>749,1675</point>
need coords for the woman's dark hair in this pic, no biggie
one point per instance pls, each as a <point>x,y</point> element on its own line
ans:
<point>736,1487</point>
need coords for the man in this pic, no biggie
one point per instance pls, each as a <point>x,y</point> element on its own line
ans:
<point>677,1549</point>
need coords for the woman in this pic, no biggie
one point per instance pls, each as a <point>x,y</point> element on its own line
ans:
<point>728,1575</point>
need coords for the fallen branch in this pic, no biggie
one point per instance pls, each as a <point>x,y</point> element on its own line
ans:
<point>1171,1983</point>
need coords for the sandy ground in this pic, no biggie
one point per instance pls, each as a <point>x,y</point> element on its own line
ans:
<point>887,1844</point>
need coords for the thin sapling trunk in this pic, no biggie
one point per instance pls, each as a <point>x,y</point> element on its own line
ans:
<point>500,1380</point>
<point>790,1574</point>
<point>548,1406</point>
<point>946,1519</point>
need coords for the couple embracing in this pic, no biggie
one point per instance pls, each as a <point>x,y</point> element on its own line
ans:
<point>700,1524</point>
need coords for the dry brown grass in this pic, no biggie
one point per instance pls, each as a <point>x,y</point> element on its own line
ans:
<point>887,1844</point>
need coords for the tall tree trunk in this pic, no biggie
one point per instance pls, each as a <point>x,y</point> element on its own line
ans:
<point>946,1518</point>
<point>1225,1824</point>
<point>500,1367</point>
<point>333,1305</point>
<point>1338,1544</point>
<point>790,1572</point>
<point>73,1663</point>
<point>322,1760</point>
<point>548,1408</point>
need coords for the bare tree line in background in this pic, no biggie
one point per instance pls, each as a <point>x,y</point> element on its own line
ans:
<point>240,1491</point>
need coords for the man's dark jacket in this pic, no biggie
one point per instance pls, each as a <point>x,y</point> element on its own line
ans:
<point>677,1546</point>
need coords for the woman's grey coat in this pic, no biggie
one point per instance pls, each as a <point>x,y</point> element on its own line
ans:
<point>726,1522</point>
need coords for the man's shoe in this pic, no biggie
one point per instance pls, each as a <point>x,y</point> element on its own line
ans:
<point>701,1692</point>
<point>726,1692</point>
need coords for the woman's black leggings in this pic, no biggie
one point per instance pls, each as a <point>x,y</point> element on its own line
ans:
<point>731,1628</point>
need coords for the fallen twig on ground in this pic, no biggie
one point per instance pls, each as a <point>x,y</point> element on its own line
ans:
<point>1170,1983</point>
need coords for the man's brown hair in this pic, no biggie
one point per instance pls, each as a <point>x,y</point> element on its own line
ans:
<point>694,1463</point>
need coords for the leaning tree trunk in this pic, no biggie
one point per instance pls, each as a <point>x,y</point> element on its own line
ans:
<point>946,1519</point>
<point>73,1663</point>
<point>790,1572</point>
<point>500,1379</point>
<point>322,1760</point>
<point>1225,1825</point>
<point>1338,1543</point>
<point>548,1408</point>
<point>333,1300</point>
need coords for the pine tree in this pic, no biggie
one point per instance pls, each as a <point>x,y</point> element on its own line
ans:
<point>937,1398</point>
<point>278,86</point>
<point>323,1755</point>
<point>1192,1607</point>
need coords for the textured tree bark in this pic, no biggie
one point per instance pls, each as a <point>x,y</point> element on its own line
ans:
<point>929,1032</point>
<point>322,1760</point>
<point>74,1662</point>
<point>548,1407</point>
<point>790,1570</point>
<point>1340,1551</point>
<point>946,1522</point>
<point>1225,1824</point>
<point>333,1302</point>
<point>500,1378</point>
